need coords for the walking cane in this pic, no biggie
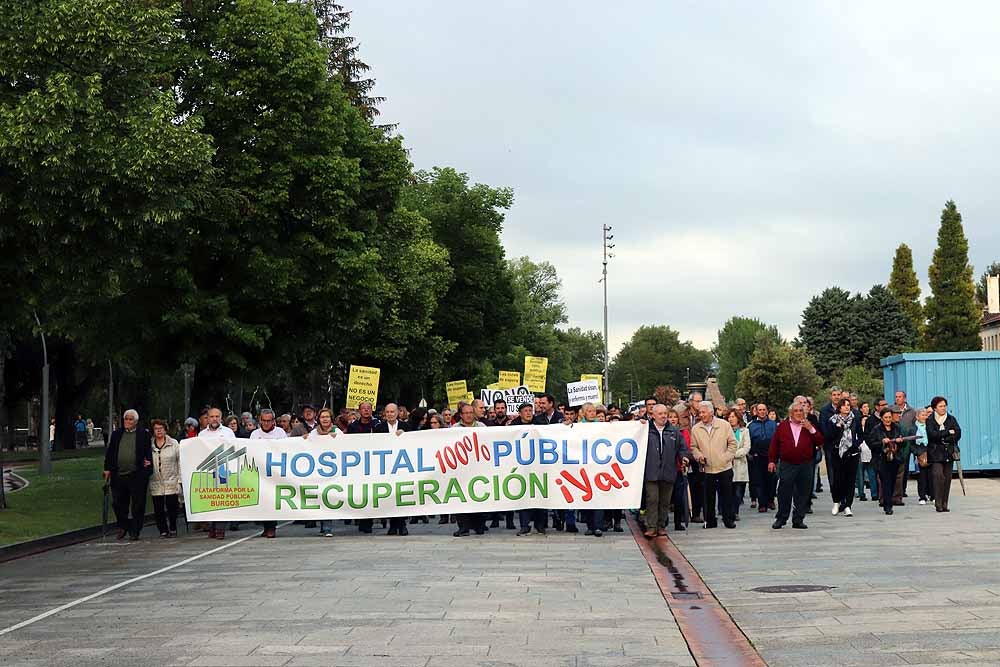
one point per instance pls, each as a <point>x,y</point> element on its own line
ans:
<point>958,464</point>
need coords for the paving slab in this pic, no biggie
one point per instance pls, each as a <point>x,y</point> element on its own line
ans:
<point>426,600</point>
<point>917,587</point>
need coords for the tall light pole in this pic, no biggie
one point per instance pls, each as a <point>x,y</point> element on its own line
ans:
<point>608,246</point>
<point>44,455</point>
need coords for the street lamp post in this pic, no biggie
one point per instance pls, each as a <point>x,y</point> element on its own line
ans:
<point>188,370</point>
<point>44,455</point>
<point>608,246</point>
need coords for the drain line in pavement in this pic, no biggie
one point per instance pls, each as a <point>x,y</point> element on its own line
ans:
<point>711,634</point>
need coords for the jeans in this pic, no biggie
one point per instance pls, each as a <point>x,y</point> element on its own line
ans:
<point>795,483</point>
<point>326,527</point>
<point>867,471</point>
<point>739,489</point>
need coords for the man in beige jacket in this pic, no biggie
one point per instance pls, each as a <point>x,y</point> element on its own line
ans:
<point>713,445</point>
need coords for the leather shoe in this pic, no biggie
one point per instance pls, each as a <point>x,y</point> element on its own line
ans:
<point>121,534</point>
<point>762,509</point>
<point>800,526</point>
<point>778,525</point>
<point>730,524</point>
<point>523,531</point>
<point>679,526</point>
<point>404,531</point>
<point>650,534</point>
<point>460,533</point>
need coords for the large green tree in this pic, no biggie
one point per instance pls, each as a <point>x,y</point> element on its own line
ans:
<point>476,308</point>
<point>826,330</point>
<point>655,355</point>
<point>736,342</point>
<point>880,328</point>
<point>953,315</point>
<point>776,374</point>
<point>904,286</point>
<point>97,167</point>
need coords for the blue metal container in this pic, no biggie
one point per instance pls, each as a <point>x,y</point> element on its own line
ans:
<point>971,383</point>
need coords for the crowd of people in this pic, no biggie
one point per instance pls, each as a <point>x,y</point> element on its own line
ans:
<point>702,460</point>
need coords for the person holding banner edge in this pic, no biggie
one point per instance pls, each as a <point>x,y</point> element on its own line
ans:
<point>664,447</point>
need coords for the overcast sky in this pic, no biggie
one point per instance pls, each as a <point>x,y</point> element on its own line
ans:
<point>748,155</point>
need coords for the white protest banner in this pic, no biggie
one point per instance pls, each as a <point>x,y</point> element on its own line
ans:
<point>514,397</point>
<point>438,471</point>
<point>579,393</point>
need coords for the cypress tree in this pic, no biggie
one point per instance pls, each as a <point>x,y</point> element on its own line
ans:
<point>953,316</point>
<point>904,286</point>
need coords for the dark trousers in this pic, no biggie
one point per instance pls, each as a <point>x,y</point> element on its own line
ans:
<point>719,484</point>
<point>534,516</point>
<point>924,484</point>
<point>472,521</point>
<point>829,454</point>
<point>658,495</point>
<point>766,481</point>
<point>941,474</point>
<point>397,522</point>
<point>845,477</point>
<point>696,482</point>
<point>270,525</point>
<point>165,508</point>
<point>754,473</point>
<point>901,475</point>
<point>595,519</point>
<point>615,516</point>
<point>795,483</point>
<point>364,525</point>
<point>128,498</point>
<point>887,471</point>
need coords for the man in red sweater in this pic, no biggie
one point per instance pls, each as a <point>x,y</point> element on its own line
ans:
<point>791,455</point>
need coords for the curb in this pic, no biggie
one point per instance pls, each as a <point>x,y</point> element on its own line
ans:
<point>712,636</point>
<point>49,542</point>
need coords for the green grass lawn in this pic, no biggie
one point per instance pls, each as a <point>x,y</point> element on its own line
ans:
<point>22,455</point>
<point>67,499</point>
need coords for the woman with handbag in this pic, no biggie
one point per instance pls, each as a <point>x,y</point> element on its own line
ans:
<point>884,441</point>
<point>919,450</point>
<point>943,435</point>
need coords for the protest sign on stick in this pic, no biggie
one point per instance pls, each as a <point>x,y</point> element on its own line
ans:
<point>362,385</point>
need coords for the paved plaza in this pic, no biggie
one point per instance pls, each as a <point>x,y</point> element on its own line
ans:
<point>917,588</point>
<point>914,588</point>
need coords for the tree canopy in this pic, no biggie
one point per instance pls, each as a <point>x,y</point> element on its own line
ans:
<point>737,340</point>
<point>654,356</point>
<point>953,315</point>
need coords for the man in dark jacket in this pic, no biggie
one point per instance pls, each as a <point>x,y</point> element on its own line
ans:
<point>830,436</point>
<point>128,463</point>
<point>664,446</point>
<point>392,424</point>
<point>761,432</point>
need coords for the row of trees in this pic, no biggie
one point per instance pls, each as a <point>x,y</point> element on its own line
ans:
<point>843,337</point>
<point>204,182</point>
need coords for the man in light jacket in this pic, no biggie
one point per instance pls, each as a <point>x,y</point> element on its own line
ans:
<point>665,446</point>
<point>713,445</point>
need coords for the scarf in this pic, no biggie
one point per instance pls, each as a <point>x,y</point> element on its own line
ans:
<point>847,436</point>
<point>940,419</point>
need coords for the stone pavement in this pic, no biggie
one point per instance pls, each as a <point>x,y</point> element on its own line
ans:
<point>427,600</point>
<point>916,588</point>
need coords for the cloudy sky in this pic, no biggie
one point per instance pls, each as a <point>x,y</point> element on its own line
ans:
<point>748,155</point>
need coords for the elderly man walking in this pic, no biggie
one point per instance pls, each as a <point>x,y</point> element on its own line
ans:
<point>713,445</point>
<point>665,448</point>
<point>128,463</point>
<point>793,447</point>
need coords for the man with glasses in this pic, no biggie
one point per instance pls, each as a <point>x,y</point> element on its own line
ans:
<point>791,456</point>
<point>268,430</point>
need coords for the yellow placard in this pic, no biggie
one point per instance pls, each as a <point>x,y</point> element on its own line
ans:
<point>535,369</point>
<point>457,391</point>
<point>508,380</point>
<point>470,397</point>
<point>494,385</point>
<point>362,386</point>
<point>594,376</point>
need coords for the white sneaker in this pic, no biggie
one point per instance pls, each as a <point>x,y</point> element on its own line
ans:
<point>327,534</point>
<point>836,509</point>
<point>848,512</point>
<point>922,502</point>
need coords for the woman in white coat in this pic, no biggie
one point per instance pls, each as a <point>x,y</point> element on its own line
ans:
<point>165,484</point>
<point>741,468</point>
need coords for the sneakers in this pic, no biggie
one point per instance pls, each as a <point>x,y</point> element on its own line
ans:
<point>836,509</point>
<point>922,502</point>
<point>524,531</point>
<point>848,512</point>
<point>326,534</point>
